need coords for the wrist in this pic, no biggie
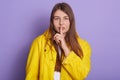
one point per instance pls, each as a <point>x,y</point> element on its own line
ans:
<point>66,51</point>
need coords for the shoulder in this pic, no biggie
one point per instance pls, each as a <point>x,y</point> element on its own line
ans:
<point>85,46</point>
<point>83,42</point>
<point>43,38</point>
<point>39,38</point>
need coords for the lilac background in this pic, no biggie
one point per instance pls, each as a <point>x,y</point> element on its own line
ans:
<point>97,21</point>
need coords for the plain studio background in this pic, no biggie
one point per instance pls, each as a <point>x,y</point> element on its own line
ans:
<point>97,21</point>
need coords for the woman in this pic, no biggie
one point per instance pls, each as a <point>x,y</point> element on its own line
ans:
<point>59,53</point>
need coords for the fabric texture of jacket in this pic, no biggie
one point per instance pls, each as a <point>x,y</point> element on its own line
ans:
<point>42,58</point>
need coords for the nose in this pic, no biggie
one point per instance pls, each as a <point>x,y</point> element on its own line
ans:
<point>61,22</point>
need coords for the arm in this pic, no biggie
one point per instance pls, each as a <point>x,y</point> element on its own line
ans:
<point>78,69</point>
<point>32,66</point>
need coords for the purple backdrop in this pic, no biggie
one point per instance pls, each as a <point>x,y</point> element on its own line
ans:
<point>97,21</point>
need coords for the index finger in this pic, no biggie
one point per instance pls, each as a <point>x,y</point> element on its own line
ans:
<point>61,31</point>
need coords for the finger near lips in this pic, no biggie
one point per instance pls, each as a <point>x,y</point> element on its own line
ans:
<point>59,36</point>
<point>61,30</point>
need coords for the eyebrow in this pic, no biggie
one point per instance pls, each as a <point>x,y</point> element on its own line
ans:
<point>59,16</point>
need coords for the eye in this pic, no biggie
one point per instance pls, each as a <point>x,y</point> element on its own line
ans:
<point>56,18</point>
<point>66,18</point>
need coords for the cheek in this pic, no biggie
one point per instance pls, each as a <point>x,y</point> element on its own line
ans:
<point>55,26</point>
<point>68,25</point>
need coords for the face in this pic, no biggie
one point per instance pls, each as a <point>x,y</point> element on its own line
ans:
<point>61,20</point>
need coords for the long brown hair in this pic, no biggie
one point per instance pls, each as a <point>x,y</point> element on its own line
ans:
<point>71,36</point>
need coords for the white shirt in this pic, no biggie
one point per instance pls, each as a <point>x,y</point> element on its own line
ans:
<point>56,75</point>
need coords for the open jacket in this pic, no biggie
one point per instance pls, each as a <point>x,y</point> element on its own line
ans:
<point>42,59</point>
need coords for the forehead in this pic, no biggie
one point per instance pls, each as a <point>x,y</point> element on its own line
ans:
<point>60,13</point>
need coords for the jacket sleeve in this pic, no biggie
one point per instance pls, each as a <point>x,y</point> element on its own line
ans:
<point>32,66</point>
<point>76,67</point>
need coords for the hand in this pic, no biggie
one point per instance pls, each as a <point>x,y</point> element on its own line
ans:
<point>60,40</point>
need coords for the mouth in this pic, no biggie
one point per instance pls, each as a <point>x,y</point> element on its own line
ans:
<point>62,28</point>
<point>59,30</point>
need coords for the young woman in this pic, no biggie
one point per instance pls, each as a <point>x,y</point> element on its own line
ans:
<point>59,53</point>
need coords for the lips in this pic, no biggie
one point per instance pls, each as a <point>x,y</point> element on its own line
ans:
<point>62,28</point>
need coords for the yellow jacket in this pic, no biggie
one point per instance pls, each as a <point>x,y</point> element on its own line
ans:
<point>42,58</point>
